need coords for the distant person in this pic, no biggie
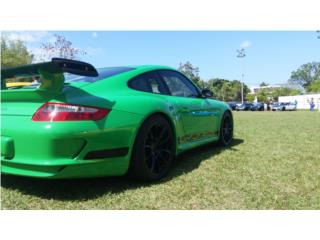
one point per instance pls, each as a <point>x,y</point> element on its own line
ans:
<point>296,103</point>
<point>265,106</point>
<point>312,105</point>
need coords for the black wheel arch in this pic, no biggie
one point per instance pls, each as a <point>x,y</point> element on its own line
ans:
<point>140,129</point>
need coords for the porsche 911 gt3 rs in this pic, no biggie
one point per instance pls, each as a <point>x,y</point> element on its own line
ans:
<point>75,121</point>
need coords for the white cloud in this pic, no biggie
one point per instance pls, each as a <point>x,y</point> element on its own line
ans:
<point>27,36</point>
<point>94,35</point>
<point>245,44</point>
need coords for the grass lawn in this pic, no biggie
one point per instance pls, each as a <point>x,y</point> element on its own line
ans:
<point>274,163</point>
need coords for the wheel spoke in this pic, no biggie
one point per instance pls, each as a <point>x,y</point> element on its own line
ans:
<point>165,150</point>
<point>227,129</point>
<point>163,131</point>
<point>152,162</point>
<point>165,159</point>
<point>163,142</point>
<point>157,148</point>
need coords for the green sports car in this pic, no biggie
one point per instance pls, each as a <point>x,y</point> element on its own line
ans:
<point>75,121</point>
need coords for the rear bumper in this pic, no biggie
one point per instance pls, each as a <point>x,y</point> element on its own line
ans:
<point>68,149</point>
<point>67,168</point>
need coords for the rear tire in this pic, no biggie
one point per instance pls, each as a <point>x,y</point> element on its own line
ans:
<point>226,129</point>
<point>153,150</point>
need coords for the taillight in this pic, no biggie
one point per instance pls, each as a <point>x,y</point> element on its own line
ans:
<point>52,112</point>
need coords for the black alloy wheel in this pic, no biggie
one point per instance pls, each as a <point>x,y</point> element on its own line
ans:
<point>226,129</point>
<point>154,149</point>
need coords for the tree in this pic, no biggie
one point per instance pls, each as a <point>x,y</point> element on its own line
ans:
<point>227,90</point>
<point>315,86</point>
<point>191,72</point>
<point>306,74</point>
<point>61,47</point>
<point>236,90</point>
<point>14,53</point>
<point>263,95</point>
<point>250,97</point>
<point>263,84</point>
<point>284,91</point>
<point>215,85</point>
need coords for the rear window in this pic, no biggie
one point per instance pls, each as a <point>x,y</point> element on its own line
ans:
<point>103,73</point>
<point>69,78</point>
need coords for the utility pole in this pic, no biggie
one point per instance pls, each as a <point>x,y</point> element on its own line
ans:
<point>241,54</point>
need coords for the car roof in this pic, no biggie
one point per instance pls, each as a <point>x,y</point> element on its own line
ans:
<point>150,67</point>
<point>117,72</point>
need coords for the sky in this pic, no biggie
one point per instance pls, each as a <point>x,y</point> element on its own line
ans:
<point>271,56</point>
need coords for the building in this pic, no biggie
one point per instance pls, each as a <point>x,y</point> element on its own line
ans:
<point>269,88</point>
<point>303,101</point>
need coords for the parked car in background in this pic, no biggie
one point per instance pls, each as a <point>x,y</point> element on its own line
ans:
<point>290,106</point>
<point>17,84</point>
<point>278,106</point>
<point>232,105</point>
<point>257,107</point>
<point>244,106</point>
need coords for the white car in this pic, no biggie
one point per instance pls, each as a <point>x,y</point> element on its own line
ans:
<point>290,107</point>
<point>278,106</point>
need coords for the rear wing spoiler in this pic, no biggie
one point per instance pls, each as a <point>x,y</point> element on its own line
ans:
<point>51,72</point>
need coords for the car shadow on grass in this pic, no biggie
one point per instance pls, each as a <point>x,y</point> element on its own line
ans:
<point>86,189</point>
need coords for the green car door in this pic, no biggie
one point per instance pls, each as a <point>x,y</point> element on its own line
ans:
<point>198,115</point>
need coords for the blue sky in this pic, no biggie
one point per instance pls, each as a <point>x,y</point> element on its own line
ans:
<point>270,55</point>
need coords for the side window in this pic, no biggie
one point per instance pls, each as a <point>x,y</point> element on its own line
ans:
<point>148,82</point>
<point>178,84</point>
<point>139,83</point>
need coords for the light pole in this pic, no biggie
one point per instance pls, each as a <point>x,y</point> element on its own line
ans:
<point>241,54</point>
<point>242,88</point>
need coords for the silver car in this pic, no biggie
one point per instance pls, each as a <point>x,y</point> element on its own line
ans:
<point>278,107</point>
<point>290,107</point>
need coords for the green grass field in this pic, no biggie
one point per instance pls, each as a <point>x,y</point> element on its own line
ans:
<point>274,163</point>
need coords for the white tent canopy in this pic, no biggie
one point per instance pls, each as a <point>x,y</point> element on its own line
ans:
<point>303,101</point>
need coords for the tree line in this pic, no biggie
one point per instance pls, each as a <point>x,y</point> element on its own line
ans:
<point>307,76</point>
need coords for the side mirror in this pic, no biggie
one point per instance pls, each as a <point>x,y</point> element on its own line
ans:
<point>206,93</point>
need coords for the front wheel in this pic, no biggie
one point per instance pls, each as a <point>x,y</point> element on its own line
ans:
<point>226,129</point>
<point>153,151</point>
